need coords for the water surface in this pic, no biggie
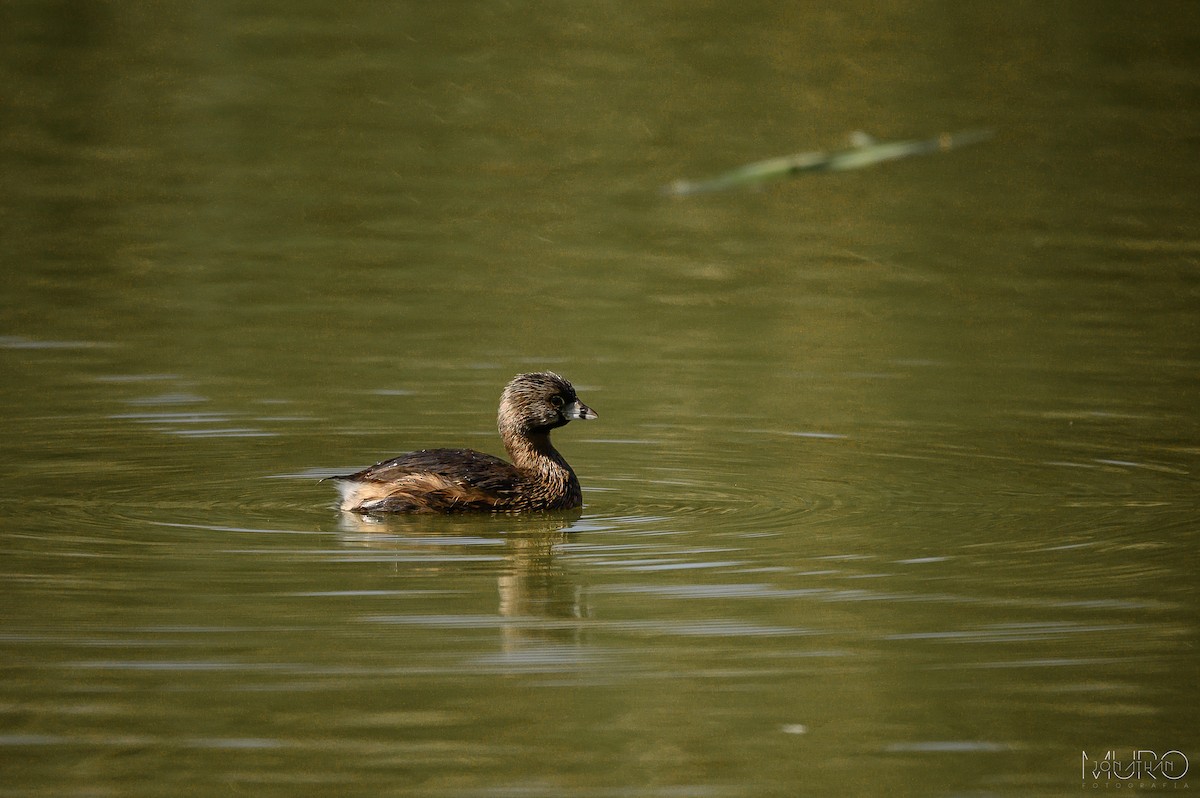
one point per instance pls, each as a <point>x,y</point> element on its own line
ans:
<point>893,489</point>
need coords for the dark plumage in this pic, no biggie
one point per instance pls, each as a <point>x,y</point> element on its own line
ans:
<point>464,480</point>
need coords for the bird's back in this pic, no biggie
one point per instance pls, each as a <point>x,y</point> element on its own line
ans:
<point>433,481</point>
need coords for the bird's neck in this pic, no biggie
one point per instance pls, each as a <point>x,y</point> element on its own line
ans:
<point>535,456</point>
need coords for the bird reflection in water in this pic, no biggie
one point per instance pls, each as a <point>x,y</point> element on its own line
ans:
<point>539,603</point>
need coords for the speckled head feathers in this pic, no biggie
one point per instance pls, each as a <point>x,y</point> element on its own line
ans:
<point>540,400</point>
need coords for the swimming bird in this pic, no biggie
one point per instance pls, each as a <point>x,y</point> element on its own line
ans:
<point>464,480</point>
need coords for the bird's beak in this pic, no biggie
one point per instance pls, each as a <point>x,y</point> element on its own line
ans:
<point>578,410</point>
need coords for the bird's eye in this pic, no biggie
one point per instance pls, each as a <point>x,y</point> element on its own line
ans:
<point>557,401</point>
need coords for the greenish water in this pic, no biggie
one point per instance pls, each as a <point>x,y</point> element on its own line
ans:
<point>894,485</point>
